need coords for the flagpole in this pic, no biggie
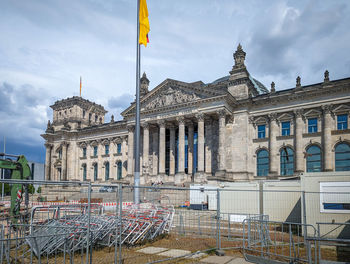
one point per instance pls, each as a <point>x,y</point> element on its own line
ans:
<point>137,125</point>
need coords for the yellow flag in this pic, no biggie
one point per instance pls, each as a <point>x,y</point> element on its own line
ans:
<point>144,23</point>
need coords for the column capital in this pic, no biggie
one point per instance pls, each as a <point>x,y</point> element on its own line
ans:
<point>64,144</point>
<point>273,116</point>
<point>299,113</point>
<point>221,113</point>
<point>200,117</point>
<point>145,125</point>
<point>171,126</point>
<point>161,123</point>
<point>327,109</point>
<point>230,119</point>
<point>180,120</point>
<point>130,128</point>
<point>48,145</point>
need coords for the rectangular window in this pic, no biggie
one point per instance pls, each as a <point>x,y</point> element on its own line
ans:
<point>342,122</point>
<point>334,197</point>
<point>106,149</point>
<point>95,151</point>
<point>119,148</point>
<point>286,128</point>
<point>312,125</point>
<point>84,152</point>
<point>261,131</point>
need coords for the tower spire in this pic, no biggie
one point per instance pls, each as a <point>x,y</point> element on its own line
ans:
<point>80,86</point>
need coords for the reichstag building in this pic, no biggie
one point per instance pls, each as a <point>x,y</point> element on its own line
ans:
<point>233,129</point>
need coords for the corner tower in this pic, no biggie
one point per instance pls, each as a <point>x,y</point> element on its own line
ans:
<point>241,84</point>
<point>74,113</point>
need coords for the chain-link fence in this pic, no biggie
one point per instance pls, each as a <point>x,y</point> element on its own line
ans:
<point>81,222</point>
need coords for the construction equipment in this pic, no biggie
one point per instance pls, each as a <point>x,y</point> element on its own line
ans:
<point>19,171</point>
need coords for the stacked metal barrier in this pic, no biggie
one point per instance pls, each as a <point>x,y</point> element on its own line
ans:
<point>66,228</point>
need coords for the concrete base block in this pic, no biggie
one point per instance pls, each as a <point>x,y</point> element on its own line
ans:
<point>179,178</point>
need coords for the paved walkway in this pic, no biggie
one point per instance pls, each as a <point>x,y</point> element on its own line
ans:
<point>168,252</point>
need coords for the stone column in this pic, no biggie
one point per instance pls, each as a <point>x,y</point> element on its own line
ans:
<point>172,151</point>
<point>48,162</point>
<point>299,156</point>
<point>181,151</point>
<point>155,148</point>
<point>64,161</point>
<point>145,149</point>
<point>130,151</point>
<point>162,132</point>
<point>200,145</point>
<point>190,148</point>
<point>208,146</point>
<point>273,145</point>
<point>327,138</point>
<point>221,149</point>
<point>124,156</point>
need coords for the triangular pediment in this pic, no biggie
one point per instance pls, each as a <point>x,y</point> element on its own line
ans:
<point>341,108</point>
<point>171,96</point>
<point>172,93</point>
<point>285,116</point>
<point>313,112</point>
<point>261,120</point>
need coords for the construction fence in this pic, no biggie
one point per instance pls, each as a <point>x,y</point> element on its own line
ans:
<point>84,222</point>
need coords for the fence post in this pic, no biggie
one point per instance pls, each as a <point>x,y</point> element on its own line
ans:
<point>120,221</point>
<point>218,252</point>
<point>88,228</point>
<point>261,200</point>
<point>308,249</point>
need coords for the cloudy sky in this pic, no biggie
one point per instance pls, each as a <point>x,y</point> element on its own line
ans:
<point>46,45</point>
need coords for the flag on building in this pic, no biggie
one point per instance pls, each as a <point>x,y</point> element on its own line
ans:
<point>144,23</point>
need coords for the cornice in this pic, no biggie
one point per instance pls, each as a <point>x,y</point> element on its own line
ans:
<point>303,93</point>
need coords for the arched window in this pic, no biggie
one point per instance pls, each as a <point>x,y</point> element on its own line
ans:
<point>262,161</point>
<point>84,172</point>
<point>95,172</point>
<point>313,159</point>
<point>119,170</point>
<point>107,171</point>
<point>342,157</point>
<point>287,161</point>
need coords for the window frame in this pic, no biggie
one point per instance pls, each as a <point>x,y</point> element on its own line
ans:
<point>262,134</point>
<point>107,171</point>
<point>95,171</point>
<point>313,161</point>
<point>286,129</point>
<point>95,151</point>
<point>119,170</point>
<point>312,125</point>
<point>84,172</point>
<point>327,187</point>
<point>262,164</point>
<point>84,152</point>
<point>343,123</point>
<point>106,149</point>
<point>285,170</point>
<point>347,159</point>
<point>119,148</point>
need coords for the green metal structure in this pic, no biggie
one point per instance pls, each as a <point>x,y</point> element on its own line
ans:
<point>19,171</point>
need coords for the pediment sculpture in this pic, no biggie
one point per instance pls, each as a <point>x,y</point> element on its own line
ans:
<point>171,97</point>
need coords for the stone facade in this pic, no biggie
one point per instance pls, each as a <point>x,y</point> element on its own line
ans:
<point>196,132</point>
